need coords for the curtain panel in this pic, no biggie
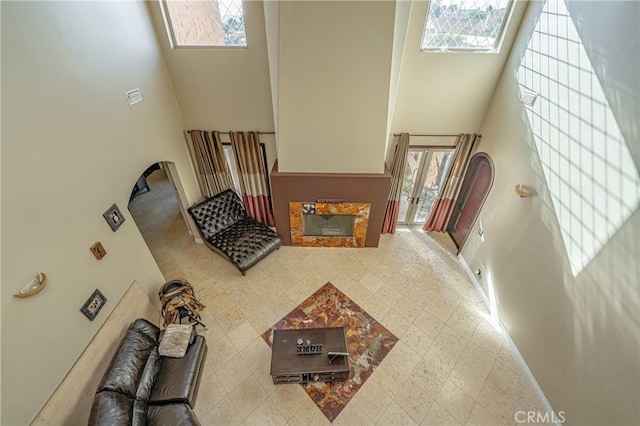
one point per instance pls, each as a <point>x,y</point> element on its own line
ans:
<point>443,206</point>
<point>254,179</point>
<point>397,174</point>
<point>211,167</point>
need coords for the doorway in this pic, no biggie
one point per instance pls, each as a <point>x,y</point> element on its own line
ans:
<point>424,172</point>
<point>475,187</point>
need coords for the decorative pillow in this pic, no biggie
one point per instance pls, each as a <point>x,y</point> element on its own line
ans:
<point>175,340</point>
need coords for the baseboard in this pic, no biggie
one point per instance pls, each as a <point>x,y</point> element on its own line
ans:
<point>514,349</point>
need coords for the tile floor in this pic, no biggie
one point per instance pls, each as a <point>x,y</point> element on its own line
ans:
<point>450,367</point>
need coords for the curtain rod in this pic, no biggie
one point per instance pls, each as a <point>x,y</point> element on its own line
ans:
<point>227,133</point>
<point>433,136</point>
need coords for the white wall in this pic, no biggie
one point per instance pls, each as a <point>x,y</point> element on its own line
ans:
<point>446,93</point>
<point>334,80</point>
<point>579,335</point>
<point>71,147</point>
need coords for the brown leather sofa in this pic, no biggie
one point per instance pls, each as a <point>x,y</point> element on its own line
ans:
<point>142,388</point>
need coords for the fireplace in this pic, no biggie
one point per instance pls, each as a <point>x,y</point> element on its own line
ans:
<point>329,189</point>
<point>329,224</point>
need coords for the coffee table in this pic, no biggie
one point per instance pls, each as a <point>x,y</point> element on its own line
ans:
<point>322,356</point>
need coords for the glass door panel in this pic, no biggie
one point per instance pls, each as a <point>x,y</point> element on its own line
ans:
<point>411,175</point>
<point>424,172</point>
<point>435,170</point>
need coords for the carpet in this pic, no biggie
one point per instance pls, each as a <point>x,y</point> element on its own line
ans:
<point>368,342</point>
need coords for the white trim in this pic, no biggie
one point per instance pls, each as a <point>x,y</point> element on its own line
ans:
<point>514,349</point>
<point>198,240</point>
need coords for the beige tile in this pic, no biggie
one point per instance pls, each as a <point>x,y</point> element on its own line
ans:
<point>221,350</point>
<point>230,319</point>
<point>428,378</point>
<point>353,414</point>
<point>410,307</point>
<point>456,401</point>
<point>389,378</point>
<point>467,378</point>
<point>506,357</point>
<point>309,414</point>
<point>373,399</point>
<point>442,308</point>
<point>266,414</point>
<point>247,396</point>
<point>428,324</point>
<point>256,353</point>
<point>506,379</point>
<point>497,402</point>
<point>395,322</point>
<point>403,358</point>
<point>418,341</point>
<point>375,306</point>
<point>481,360</point>
<point>223,413</point>
<point>233,372</point>
<point>414,401</point>
<point>451,340</point>
<point>210,392</point>
<point>395,415</point>
<point>440,359</point>
<point>438,416</point>
<point>480,416</point>
<point>359,294</point>
<point>242,335</point>
<point>388,294</point>
<point>288,398</point>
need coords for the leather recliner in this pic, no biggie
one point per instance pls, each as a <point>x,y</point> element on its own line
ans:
<point>226,228</point>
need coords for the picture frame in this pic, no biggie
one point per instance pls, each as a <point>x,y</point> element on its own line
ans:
<point>114,217</point>
<point>93,305</point>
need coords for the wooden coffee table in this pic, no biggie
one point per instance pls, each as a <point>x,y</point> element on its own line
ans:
<point>315,360</point>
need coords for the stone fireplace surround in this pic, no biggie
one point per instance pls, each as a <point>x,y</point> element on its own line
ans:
<point>360,211</point>
<point>364,188</point>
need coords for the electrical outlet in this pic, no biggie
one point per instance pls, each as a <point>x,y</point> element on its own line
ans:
<point>98,251</point>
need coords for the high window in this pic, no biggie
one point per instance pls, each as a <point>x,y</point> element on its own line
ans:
<point>593,182</point>
<point>466,25</point>
<point>204,23</point>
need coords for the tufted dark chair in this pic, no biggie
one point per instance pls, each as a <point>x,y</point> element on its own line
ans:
<point>227,229</point>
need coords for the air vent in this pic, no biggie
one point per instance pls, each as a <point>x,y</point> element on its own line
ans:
<point>134,96</point>
<point>528,98</point>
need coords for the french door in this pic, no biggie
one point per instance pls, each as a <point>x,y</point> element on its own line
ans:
<point>424,172</point>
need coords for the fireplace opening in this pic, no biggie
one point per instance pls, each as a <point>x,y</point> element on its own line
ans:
<point>328,225</point>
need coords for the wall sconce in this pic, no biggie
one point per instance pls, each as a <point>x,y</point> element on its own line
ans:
<point>522,191</point>
<point>33,287</point>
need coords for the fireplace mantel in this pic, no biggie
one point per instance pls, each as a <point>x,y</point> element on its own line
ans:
<point>352,188</point>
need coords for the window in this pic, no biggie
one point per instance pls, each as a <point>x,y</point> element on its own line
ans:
<point>204,23</point>
<point>466,25</point>
<point>593,182</point>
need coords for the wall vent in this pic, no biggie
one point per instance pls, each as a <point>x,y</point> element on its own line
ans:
<point>134,96</point>
<point>528,98</point>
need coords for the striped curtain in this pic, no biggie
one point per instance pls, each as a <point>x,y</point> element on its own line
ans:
<point>254,179</point>
<point>211,167</point>
<point>397,173</point>
<point>443,206</point>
